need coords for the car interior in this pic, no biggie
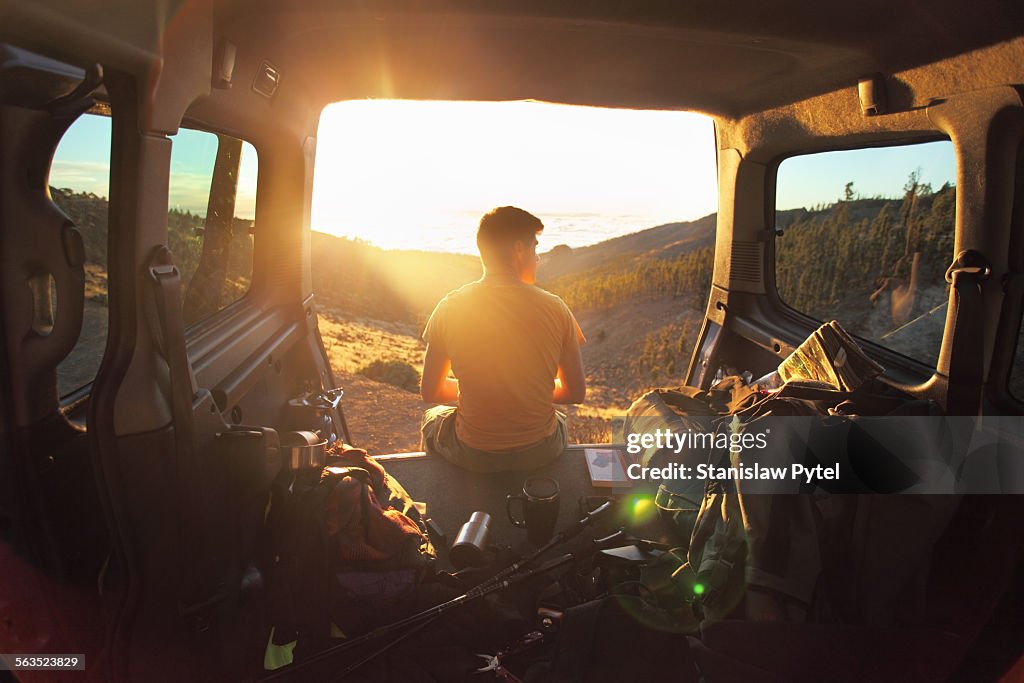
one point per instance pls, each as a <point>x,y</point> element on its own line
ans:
<point>149,403</point>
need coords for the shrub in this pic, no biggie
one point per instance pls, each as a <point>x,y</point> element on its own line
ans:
<point>394,372</point>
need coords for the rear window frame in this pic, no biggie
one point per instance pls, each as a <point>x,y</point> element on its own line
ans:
<point>900,368</point>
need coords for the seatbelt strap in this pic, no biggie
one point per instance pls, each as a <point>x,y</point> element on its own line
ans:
<point>966,322</point>
<point>199,587</point>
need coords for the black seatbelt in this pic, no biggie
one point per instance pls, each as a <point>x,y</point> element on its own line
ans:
<point>200,585</point>
<point>966,324</point>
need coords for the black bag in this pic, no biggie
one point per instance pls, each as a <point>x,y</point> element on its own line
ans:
<point>870,550</point>
<point>684,409</point>
<point>343,547</point>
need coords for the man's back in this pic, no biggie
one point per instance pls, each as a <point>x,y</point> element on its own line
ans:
<point>505,339</point>
<point>515,352</point>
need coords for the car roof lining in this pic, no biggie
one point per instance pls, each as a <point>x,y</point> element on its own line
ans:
<point>726,59</point>
<point>554,60</point>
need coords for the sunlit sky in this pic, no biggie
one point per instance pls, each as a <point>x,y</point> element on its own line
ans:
<point>401,172</point>
<point>82,163</point>
<point>811,179</point>
<point>418,175</point>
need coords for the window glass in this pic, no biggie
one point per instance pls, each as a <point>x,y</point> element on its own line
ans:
<point>868,235</point>
<point>79,182</point>
<point>212,200</point>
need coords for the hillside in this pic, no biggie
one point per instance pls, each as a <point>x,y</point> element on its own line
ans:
<point>663,241</point>
<point>356,279</point>
<point>225,281</point>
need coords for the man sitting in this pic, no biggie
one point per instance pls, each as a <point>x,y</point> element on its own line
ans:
<point>514,349</point>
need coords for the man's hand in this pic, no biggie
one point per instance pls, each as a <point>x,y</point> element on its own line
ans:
<point>436,386</point>
<point>570,382</point>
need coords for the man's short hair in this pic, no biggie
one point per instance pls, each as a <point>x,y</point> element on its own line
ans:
<point>501,227</point>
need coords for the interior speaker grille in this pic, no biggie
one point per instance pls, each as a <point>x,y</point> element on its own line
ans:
<point>747,263</point>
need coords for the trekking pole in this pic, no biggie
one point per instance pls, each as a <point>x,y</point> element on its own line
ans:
<point>499,581</point>
<point>561,537</point>
<point>428,614</point>
<point>613,538</point>
<point>390,644</point>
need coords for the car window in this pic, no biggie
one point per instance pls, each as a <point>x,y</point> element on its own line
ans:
<point>213,250</point>
<point>79,181</point>
<point>866,238</point>
<point>212,202</point>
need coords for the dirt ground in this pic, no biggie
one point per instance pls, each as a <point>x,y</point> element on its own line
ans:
<point>381,418</point>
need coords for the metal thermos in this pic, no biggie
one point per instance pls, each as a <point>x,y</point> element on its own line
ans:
<point>471,542</point>
<point>303,450</point>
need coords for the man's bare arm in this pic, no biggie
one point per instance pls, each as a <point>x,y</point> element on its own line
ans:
<point>436,386</point>
<point>570,382</point>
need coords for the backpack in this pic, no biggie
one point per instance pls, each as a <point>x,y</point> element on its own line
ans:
<point>734,535</point>
<point>817,548</point>
<point>341,544</point>
<point>680,410</point>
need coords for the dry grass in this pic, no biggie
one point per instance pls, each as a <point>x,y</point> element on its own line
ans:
<point>585,429</point>
<point>95,283</point>
<point>354,344</point>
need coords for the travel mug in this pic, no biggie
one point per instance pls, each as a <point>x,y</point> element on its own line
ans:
<point>539,501</point>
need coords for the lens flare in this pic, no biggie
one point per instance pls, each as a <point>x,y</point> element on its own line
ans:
<point>643,508</point>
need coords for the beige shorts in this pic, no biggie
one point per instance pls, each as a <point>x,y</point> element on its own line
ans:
<point>438,437</point>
